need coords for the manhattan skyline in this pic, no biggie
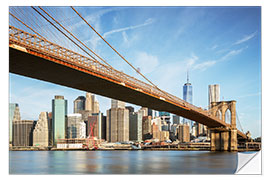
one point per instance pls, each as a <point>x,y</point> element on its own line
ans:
<point>219,45</point>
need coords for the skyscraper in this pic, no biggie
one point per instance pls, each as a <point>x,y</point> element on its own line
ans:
<point>165,116</point>
<point>176,119</point>
<point>130,108</point>
<point>88,102</point>
<point>41,131</point>
<point>76,127</point>
<point>163,113</point>
<point>146,127</point>
<point>14,115</point>
<point>117,104</point>
<point>59,112</point>
<point>183,133</point>
<point>79,104</point>
<point>187,96</point>
<point>96,122</point>
<point>91,104</point>
<point>23,132</point>
<point>117,122</point>
<point>135,126</point>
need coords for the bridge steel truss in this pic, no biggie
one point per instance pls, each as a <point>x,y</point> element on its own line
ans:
<point>21,41</point>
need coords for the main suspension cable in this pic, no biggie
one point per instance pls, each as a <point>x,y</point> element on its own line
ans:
<point>63,33</point>
<point>74,37</point>
<point>118,52</point>
<point>25,25</point>
<point>239,121</point>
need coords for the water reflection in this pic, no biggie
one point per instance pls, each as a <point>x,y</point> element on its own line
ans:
<point>121,162</point>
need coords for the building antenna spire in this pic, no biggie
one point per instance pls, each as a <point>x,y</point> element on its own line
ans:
<point>187,77</point>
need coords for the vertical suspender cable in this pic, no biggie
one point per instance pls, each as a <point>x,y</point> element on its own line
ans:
<point>74,36</point>
<point>63,33</point>
<point>26,25</point>
<point>119,53</point>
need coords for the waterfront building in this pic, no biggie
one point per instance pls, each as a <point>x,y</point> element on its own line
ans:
<point>50,126</point>
<point>88,102</point>
<point>76,128</point>
<point>165,116</point>
<point>194,130</point>
<point>117,125</point>
<point>22,132</point>
<point>176,119</point>
<point>164,125</point>
<point>41,131</point>
<point>183,133</point>
<point>187,96</point>
<point>59,112</point>
<point>144,111</point>
<point>14,115</point>
<point>117,104</point>
<point>96,122</point>
<point>130,108</point>
<point>164,135</point>
<point>151,112</point>
<point>155,131</point>
<point>157,120</point>
<point>146,127</point>
<point>173,133</point>
<point>79,104</point>
<point>135,126</point>
<point>199,129</point>
<point>163,113</point>
<point>91,104</point>
<point>160,135</point>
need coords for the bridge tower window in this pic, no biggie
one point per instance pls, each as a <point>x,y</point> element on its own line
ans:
<point>218,114</point>
<point>228,116</point>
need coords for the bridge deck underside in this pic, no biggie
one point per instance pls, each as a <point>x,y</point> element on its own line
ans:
<point>29,65</point>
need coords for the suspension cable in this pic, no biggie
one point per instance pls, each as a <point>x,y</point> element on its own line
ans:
<point>25,25</point>
<point>74,36</point>
<point>63,33</point>
<point>238,120</point>
<point>118,52</point>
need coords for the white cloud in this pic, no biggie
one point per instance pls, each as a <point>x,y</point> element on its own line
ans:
<point>146,62</point>
<point>147,22</point>
<point>250,95</point>
<point>125,38</point>
<point>245,38</point>
<point>206,64</point>
<point>165,74</point>
<point>92,18</point>
<point>191,61</point>
<point>231,53</point>
<point>203,66</point>
<point>214,47</point>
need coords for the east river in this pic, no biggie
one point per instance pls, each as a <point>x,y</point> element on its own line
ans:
<point>122,162</point>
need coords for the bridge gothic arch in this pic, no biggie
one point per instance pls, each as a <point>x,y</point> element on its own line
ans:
<point>228,116</point>
<point>219,114</point>
<point>226,111</point>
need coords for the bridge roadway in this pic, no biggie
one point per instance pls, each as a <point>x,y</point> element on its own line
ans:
<point>38,58</point>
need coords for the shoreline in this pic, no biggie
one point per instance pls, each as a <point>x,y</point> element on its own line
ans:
<point>148,149</point>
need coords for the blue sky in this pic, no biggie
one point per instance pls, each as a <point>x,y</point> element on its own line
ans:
<point>218,45</point>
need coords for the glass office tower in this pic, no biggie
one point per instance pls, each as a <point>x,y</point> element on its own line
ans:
<point>79,104</point>
<point>59,112</point>
<point>187,96</point>
<point>14,114</point>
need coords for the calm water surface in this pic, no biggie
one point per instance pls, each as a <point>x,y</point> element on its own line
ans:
<point>122,162</point>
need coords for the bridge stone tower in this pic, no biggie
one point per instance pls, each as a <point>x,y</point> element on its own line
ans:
<point>224,139</point>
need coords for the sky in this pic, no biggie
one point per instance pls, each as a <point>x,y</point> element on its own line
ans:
<point>217,45</point>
